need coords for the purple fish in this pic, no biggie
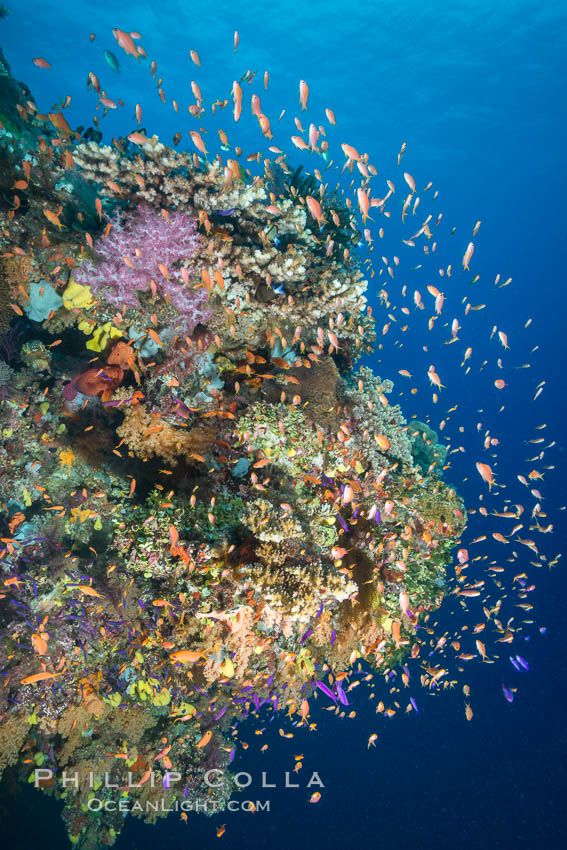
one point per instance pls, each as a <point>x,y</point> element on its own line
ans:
<point>515,664</point>
<point>523,663</point>
<point>220,714</point>
<point>109,403</point>
<point>414,704</point>
<point>342,522</point>
<point>507,693</point>
<point>333,636</point>
<point>327,691</point>
<point>307,635</point>
<point>341,694</point>
<point>320,610</point>
<point>378,517</point>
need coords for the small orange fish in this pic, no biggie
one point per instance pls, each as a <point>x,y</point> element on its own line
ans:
<point>53,218</point>
<point>467,256</point>
<point>396,634</point>
<point>485,473</point>
<point>481,649</point>
<point>138,138</point>
<point>350,152</point>
<point>314,208</point>
<point>39,677</point>
<point>39,644</point>
<point>186,656</point>
<point>410,181</point>
<point>126,42</point>
<point>90,591</point>
<point>204,740</point>
<point>303,93</point>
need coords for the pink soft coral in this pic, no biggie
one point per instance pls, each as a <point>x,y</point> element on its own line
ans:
<point>146,239</point>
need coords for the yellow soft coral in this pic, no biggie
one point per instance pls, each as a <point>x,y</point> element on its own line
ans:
<point>101,336</point>
<point>77,297</point>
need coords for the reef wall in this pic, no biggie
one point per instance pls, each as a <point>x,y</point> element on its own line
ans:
<point>207,508</point>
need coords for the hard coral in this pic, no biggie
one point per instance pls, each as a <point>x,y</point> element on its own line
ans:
<point>147,435</point>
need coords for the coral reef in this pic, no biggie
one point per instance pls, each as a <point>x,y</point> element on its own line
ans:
<point>206,509</point>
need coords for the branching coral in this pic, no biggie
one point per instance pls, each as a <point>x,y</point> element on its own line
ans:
<point>147,435</point>
<point>299,591</point>
<point>381,425</point>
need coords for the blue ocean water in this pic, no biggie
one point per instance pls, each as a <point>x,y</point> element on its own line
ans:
<point>477,90</point>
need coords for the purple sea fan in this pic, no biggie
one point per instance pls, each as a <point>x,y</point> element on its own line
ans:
<point>140,247</point>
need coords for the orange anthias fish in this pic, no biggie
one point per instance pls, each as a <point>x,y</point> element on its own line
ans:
<point>350,152</point>
<point>53,218</point>
<point>485,473</point>
<point>467,256</point>
<point>314,208</point>
<point>186,656</point>
<point>39,677</point>
<point>204,740</point>
<point>303,93</point>
<point>59,122</point>
<point>90,591</point>
<point>138,138</point>
<point>237,96</point>
<point>126,42</point>
<point>197,140</point>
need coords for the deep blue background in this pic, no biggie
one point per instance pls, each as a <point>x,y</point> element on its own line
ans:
<point>477,90</point>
